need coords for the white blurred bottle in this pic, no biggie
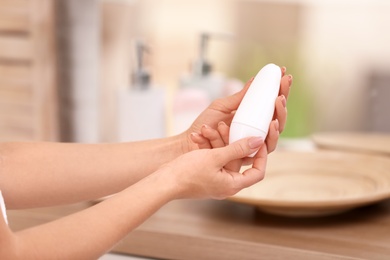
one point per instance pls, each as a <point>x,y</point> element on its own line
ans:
<point>200,87</point>
<point>141,108</point>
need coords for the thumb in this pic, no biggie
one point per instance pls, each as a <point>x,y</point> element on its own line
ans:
<point>239,149</point>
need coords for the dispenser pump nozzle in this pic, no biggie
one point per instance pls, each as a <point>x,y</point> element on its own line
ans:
<point>141,76</point>
<point>201,66</point>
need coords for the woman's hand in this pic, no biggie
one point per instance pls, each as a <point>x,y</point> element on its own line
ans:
<point>215,138</point>
<point>205,173</point>
<point>223,110</point>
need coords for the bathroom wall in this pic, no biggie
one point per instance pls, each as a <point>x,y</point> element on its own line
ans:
<point>331,48</point>
<point>78,48</point>
<point>243,42</point>
<point>28,71</point>
<point>336,50</point>
<point>118,29</point>
<point>344,42</point>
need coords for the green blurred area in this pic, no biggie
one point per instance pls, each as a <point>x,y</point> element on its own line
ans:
<point>251,58</point>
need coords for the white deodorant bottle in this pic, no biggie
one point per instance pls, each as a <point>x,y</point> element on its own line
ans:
<point>256,110</point>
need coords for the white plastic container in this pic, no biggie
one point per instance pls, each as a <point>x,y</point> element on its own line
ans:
<point>141,108</point>
<point>256,110</point>
<point>141,114</point>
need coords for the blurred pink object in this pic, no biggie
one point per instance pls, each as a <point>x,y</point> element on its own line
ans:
<point>188,103</point>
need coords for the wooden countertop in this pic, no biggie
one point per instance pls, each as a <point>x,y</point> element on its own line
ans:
<point>227,230</point>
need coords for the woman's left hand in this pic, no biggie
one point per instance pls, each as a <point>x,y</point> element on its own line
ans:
<point>223,110</point>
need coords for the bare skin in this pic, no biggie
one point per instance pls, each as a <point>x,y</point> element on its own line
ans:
<point>143,175</point>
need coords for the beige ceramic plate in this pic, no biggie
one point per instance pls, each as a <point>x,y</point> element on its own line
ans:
<point>354,141</point>
<point>319,183</point>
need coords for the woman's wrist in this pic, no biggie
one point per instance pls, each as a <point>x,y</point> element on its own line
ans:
<point>166,182</point>
<point>186,144</point>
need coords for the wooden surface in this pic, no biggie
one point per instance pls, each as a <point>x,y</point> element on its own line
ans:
<point>28,107</point>
<point>228,230</point>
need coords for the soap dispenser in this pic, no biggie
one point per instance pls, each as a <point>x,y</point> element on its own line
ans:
<point>202,75</point>
<point>200,87</point>
<point>141,108</point>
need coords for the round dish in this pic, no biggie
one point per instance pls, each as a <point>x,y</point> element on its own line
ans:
<point>319,183</point>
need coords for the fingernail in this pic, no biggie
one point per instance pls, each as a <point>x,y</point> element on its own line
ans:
<point>195,134</point>
<point>221,123</point>
<point>205,126</point>
<point>283,100</point>
<point>290,78</point>
<point>276,124</point>
<point>255,142</point>
<point>250,81</point>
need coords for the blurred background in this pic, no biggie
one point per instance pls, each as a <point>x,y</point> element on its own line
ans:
<point>110,70</point>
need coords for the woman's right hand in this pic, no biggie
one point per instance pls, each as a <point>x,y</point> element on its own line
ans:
<point>203,173</point>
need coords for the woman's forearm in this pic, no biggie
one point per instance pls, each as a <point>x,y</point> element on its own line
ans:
<point>90,233</point>
<point>44,174</point>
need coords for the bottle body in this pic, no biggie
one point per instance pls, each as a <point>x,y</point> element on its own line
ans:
<point>141,114</point>
<point>256,110</point>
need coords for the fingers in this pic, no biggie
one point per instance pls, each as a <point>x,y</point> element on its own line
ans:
<point>285,85</point>
<point>280,104</point>
<point>281,112</point>
<point>220,138</point>
<point>257,172</point>
<point>223,130</point>
<point>247,84</point>
<point>201,141</point>
<point>210,138</point>
<point>238,150</point>
<point>213,136</point>
<point>283,69</point>
<point>273,136</point>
